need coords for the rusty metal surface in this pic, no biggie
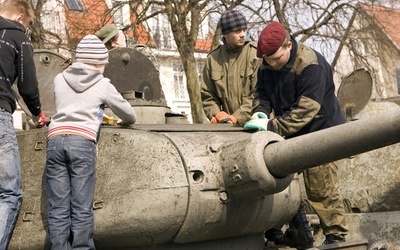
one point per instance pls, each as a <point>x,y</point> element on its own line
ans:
<point>131,70</point>
<point>376,231</point>
<point>142,184</point>
<point>354,92</point>
<point>48,65</point>
<point>156,188</point>
<point>189,127</point>
<point>218,177</point>
<point>378,169</point>
<point>31,231</point>
<point>178,185</point>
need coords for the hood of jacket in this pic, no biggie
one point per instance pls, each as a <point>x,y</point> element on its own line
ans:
<point>10,24</point>
<point>80,76</point>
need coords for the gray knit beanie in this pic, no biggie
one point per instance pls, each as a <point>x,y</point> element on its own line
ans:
<point>91,50</point>
<point>231,21</point>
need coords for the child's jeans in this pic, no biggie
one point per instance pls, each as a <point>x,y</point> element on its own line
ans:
<point>70,187</point>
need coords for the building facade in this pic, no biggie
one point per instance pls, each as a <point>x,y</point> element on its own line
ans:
<point>373,43</point>
<point>67,21</point>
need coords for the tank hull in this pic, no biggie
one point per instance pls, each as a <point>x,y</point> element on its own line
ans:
<point>160,188</point>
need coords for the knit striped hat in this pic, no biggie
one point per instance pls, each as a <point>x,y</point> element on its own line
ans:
<point>91,50</point>
<point>231,21</point>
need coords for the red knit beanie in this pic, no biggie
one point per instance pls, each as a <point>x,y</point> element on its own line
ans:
<point>270,39</point>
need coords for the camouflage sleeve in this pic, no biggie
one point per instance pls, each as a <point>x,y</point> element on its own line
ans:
<point>299,117</point>
<point>311,91</point>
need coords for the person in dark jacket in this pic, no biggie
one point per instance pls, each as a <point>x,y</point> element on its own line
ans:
<point>16,63</point>
<point>295,95</point>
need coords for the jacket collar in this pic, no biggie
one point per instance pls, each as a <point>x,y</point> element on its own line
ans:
<point>234,50</point>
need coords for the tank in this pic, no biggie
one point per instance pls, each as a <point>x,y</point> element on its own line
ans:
<point>173,185</point>
<point>371,204</point>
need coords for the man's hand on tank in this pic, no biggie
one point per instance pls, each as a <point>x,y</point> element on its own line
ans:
<point>40,120</point>
<point>258,121</point>
<point>259,124</point>
<point>233,119</point>
<point>258,115</point>
<point>223,117</point>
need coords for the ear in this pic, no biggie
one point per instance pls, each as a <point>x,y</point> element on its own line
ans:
<point>289,44</point>
<point>20,17</point>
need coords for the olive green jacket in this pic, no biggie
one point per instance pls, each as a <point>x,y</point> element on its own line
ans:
<point>229,78</point>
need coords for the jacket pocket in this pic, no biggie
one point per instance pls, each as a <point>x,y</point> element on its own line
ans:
<point>218,79</point>
<point>246,78</point>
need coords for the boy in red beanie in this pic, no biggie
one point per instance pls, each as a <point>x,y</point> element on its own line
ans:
<point>296,83</point>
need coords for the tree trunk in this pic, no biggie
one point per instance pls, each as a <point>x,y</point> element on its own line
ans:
<point>193,87</point>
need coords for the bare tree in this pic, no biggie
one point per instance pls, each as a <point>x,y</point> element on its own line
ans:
<point>185,18</point>
<point>321,24</point>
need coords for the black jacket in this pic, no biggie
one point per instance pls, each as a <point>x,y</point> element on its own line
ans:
<point>301,95</point>
<point>16,62</point>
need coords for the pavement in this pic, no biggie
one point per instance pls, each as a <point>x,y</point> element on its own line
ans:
<point>348,245</point>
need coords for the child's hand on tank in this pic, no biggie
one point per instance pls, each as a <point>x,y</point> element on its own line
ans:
<point>122,123</point>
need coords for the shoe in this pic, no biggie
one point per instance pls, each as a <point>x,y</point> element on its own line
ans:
<point>270,245</point>
<point>332,239</point>
<point>299,234</point>
<point>295,239</point>
<point>272,234</point>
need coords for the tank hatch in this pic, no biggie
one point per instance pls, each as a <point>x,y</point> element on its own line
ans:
<point>130,70</point>
<point>354,92</point>
<point>48,65</point>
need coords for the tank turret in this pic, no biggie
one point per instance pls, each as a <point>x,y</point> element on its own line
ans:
<point>193,186</point>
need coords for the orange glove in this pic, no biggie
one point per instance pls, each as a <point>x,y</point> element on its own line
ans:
<point>233,119</point>
<point>223,117</point>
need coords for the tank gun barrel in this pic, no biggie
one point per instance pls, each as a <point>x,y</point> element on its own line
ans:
<point>297,154</point>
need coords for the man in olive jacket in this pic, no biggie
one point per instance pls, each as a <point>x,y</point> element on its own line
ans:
<point>230,73</point>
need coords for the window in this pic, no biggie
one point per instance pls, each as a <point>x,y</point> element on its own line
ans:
<point>162,32</point>
<point>179,84</point>
<point>74,5</point>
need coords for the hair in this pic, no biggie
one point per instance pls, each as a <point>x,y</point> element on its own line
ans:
<point>287,39</point>
<point>20,7</point>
